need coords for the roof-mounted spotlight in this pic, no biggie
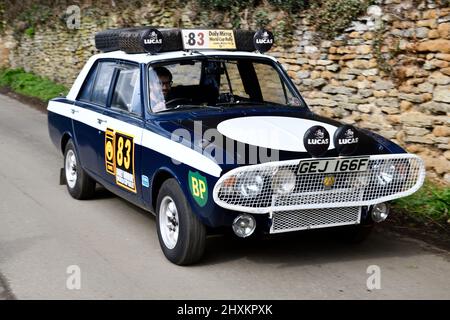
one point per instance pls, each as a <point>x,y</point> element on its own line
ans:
<point>152,41</point>
<point>263,40</point>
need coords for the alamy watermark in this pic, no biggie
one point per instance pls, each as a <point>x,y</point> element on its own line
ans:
<point>212,144</point>
<point>374,280</point>
<point>73,17</point>
<point>73,281</point>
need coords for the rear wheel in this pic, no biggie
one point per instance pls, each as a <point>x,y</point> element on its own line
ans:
<point>79,184</point>
<point>181,235</point>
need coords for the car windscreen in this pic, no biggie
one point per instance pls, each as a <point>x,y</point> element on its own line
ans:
<point>211,82</point>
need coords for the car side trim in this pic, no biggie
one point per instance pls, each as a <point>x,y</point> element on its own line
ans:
<point>151,140</point>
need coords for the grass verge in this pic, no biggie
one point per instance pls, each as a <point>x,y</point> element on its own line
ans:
<point>30,85</point>
<point>430,204</point>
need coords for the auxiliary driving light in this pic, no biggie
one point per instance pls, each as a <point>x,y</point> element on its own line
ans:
<point>250,184</point>
<point>283,181</point>
<point>244,225</point>
<point>380,212</point>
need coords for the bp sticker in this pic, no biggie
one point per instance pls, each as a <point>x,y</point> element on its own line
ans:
<point>199,188</point>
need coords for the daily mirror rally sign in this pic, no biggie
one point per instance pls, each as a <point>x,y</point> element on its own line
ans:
<point>196,39</point>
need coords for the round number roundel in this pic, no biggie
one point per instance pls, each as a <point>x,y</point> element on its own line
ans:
<point>152,41</point>
<point>263,40</point>
<point>346,140</point>
<point>316,141</point>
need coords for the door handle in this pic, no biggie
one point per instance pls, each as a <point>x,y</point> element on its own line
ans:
<point>100,121</point>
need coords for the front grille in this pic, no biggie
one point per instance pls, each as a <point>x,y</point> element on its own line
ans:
<point>388,177</point>
<point>285,221</point>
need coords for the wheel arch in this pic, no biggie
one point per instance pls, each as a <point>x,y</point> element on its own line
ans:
<point>160,176</point>
<point>64,140</point>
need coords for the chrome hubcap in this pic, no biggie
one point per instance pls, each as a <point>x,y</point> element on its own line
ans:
<point>169,222</point>
<point>71,169</point>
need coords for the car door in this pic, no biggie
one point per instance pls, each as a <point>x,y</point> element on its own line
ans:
<point>89,123</point>
<point>121,152</point>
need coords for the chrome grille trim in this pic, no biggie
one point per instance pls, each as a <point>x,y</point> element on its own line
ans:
<point>351,189</point>
<point>286,221</point>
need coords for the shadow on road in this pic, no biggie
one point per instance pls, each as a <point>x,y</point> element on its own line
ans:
<point>313,247</point>
<point>307,247</point>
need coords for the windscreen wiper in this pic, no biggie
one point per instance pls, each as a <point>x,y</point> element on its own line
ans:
<point>243,102</point>
<point>191,106</point>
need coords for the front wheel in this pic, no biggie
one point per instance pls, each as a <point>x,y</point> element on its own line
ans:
<point>79,184</point>
<point>181,235</point>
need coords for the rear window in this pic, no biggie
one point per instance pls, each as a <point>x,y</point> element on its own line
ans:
<point>96,86</point>
<point>126,96</point>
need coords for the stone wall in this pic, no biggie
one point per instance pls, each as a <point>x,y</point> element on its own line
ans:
<point>388,72</point>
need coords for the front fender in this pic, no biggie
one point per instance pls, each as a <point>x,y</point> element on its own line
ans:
<point>384,145</point>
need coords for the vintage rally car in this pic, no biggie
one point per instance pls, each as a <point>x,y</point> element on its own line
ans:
<point>204,130</point>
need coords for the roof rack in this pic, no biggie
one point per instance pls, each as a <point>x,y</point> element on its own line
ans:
<point>156,40</point>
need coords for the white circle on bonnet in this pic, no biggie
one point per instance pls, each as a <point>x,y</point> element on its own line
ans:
<point>272,132</point>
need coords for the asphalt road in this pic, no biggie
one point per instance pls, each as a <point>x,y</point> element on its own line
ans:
<point>43,231</point>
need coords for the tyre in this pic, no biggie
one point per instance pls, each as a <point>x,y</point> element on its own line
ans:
<point>108,40</point>
<point>181,235</point>
<point>130,40</point>
<point>79,184</point>
<point>356,234</point>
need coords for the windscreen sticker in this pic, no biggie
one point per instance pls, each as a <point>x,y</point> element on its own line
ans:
<point>145,181</point>
<point>119,158</point>
<point>196,39</point>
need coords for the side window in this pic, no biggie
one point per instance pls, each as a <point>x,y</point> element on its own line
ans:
<point>103,78</point>
<point>126,95</point>
<point>272,88</point>
<point>86,91</point>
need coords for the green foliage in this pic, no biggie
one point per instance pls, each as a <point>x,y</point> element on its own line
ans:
<point>431,201</point>
<point>283,32</point>
<point>2,16</point>
<point>30,32</point>
<point>25,15</point>
<point>261,18</point>
<point>226,5</point>
<point>290,5</point>
<point>30,85</point>
<point>35,14</point>
<point>331,17</point>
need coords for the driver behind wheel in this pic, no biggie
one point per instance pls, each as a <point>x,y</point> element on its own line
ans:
<point>160,79</point>
<point>165,80</point>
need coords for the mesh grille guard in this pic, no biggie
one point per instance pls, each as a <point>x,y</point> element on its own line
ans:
<point>350,189</point>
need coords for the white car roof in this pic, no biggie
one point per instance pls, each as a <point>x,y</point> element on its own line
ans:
<point>147,58</point>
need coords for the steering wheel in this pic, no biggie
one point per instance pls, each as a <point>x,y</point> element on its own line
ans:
<point>172,101</point>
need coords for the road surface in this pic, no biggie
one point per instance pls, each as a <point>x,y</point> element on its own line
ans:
<point>114,246</point>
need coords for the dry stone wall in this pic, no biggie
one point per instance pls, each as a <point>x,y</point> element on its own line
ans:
<point>388,72</point>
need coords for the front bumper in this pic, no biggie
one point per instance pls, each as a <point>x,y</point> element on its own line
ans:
<point>312,204</point>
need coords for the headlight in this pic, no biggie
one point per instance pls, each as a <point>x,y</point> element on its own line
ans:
<point>249,184</point>
<point>358,181</point>
<point>385,173</point>
<point>380,212</point>
<point>283,181</point>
